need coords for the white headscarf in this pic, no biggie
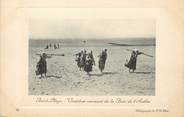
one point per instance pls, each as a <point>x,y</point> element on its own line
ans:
<point>104,49</point>
<point>135,50</point>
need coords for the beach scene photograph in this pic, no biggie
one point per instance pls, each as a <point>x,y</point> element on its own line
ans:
<point>97,57</point>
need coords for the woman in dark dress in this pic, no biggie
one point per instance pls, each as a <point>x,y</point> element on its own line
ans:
<point>102,60</point>
<point>133,60</point>
<point>83,59</point>
<point>88,67</point>
<point>92,57</point>
<point>78,59</point>
<point>42,65</point>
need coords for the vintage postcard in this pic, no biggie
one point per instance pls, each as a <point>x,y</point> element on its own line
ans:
<point>92,62</point>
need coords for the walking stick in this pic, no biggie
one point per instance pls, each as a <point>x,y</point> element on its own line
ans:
<point>141,52</point>
<point>147,55</point>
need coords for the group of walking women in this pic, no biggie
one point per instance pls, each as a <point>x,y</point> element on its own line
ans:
<point>85,61</point>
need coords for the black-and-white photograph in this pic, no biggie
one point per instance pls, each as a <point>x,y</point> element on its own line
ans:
<point>97,57</point>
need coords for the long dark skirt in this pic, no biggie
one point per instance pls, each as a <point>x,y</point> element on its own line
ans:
<point>82,62</point>
<point>41,67</point>
<point>101,65</point>
<point>132,63</point>
<point>88,66</point>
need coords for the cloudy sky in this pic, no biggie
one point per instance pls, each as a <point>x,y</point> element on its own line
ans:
<point>90,29</point>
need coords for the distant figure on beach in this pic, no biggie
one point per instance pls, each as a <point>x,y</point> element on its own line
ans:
<point>88,67</point>
<point>50,45</point>
<point>55,47</point>
<point>58,45</point>
<point>131,64</point>
<point>102,60</point>
<point>47,46</point>
<point>79,59</point>
<point>42,65</point>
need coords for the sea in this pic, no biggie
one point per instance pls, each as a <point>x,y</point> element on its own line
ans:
<point>92,42</point>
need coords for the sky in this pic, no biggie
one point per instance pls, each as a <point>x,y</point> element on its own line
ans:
<point>91,29</point>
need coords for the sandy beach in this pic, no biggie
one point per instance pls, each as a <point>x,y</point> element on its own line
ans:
<point>65,79</point>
